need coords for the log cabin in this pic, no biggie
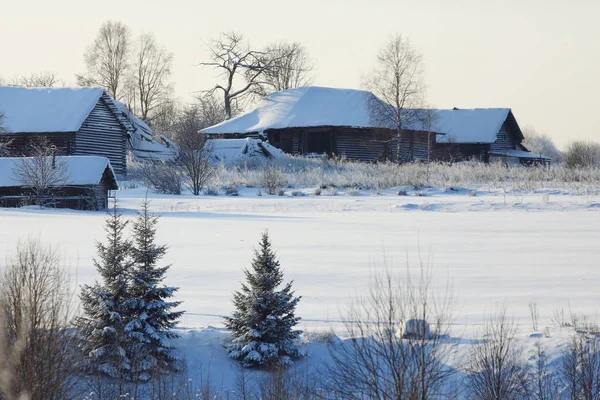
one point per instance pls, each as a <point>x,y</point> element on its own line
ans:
<point>77,121</point>
<point>314,120</point>
<point>482,134</point>
<point>84,182</point>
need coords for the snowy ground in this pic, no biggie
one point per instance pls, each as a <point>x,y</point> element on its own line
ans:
<point>497,249</point>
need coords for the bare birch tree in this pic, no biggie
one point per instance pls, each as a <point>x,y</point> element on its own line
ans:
<point>4,143</point>
<point>396,83</point>
<point>107,60</point>
<point>152,73</point>
<point>291,67</point>
<point>241,68</point>
<point>397,339</point>
<point>40,79</point>
<point>42,172</point>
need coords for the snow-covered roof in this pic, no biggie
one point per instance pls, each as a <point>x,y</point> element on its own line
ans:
<point>518,154</point>
<point>31,110</point>
<point>313,106</point>
<point>476,125</point>
<point>82,170</point>
<point>143,143</point>
<point>307,106</point>
<point>239,150</point>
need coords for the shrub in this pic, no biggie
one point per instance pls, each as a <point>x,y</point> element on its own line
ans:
<point>581,154</point>
<point>166,178</point>
<point>211,191</point>
<point>231,191</point>
<point>273,179</point>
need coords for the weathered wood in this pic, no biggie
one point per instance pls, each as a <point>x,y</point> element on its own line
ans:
<point>103,134</point>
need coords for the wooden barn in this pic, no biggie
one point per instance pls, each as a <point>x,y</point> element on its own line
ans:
<point>315,120</point>
<point>84,182</point>
<point>481,134</point>
<point>77,121</point>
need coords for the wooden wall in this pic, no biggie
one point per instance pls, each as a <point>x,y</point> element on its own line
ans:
<point>20,143</point>
<point>453,152</point>
<point>358,144</point>
<point>102,134</point>
<point>85,197</point>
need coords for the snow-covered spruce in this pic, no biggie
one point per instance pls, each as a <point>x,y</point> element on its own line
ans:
<point>152,315</point>
<point>262,324</point>
<point>105,306</point>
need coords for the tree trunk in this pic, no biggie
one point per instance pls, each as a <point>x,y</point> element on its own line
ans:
<point>227,107</point>
<point>399,147</point>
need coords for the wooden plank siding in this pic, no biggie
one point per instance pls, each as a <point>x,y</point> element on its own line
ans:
<point>81,197</point>
<point>505,139</point>
<point>359,144</point>
<point>20,144</point>
<point>103,134</point>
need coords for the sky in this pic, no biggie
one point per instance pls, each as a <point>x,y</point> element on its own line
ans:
<point>539,57</point>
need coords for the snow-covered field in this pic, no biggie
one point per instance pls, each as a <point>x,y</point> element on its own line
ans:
<point>496,249</point>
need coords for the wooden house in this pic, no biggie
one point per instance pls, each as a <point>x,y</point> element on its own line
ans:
<point>84,185</point>
<point>77,121</point>
<point>315,120</point>
<point>481,134</point>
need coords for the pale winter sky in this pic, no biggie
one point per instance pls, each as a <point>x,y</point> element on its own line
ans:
<point>539,57</point>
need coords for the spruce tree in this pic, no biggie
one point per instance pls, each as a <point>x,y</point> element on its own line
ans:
<point>262,323</point>
<point>153,314</point>
<point>105,305</point>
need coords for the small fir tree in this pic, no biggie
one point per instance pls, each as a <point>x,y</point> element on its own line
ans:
<point>105,306</point>
<point>262,323</point>
<point>153,314</point>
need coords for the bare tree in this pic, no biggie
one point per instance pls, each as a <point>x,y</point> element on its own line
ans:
<point>40,79</point>
<point>544,380</point>
<point>152,73</point>
<point>541,145</point>
<point>396,83</point>
<point>291,67</point>
<point>241,67</point>
<point>38,353</point>
<point>107,60</point>
<point>581,367</point>
<point>396,347</point>
<point>164,118</point>
<point>192,156</point>
<point>43,172</point>
<point>580,154</point>
<point>4,143</point>
<point>496,369</point>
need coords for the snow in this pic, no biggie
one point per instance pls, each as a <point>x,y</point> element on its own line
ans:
<point>496,248</point>
<point>143,143</point>
<point>241,150</point>
<point>82,170</point>
<point>517,153</point>
<point>34,110</point>
<point>307,106</point>
<point>477,125</point>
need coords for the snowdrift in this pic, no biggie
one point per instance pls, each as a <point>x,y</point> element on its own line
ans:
<point>239,151</point>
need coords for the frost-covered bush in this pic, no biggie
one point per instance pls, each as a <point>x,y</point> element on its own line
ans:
<point>343,174</point>
<point>581,154</point>
<point>273,179</point>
